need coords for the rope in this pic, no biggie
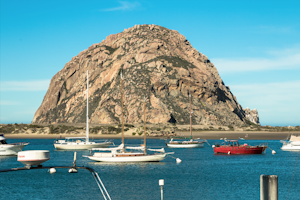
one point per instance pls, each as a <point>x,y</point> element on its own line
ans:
<point>207,142</point>
<point>293,176</point>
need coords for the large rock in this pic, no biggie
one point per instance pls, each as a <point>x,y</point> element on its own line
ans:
<point>252,115</point>
<point>157,63</point>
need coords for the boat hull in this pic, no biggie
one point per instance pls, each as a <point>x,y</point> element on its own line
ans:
<point>290,147</point>
<point>185,145</point>
<point>239,150</point>
<point>80,146</point>
<point>11,149</point>
<point>109,157</point>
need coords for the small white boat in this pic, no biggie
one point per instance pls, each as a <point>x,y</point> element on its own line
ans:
<point>33,157</point>
<point>189,142</point>
<point>10,149</point>
<point>81,143</point>
<point>78,143</point>
<point>293,144</point>
<point>136,154</point>
<point>185,143</point>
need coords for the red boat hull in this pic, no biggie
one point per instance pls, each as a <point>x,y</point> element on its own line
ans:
<point>239,149</point>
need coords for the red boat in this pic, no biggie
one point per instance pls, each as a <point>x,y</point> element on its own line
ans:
<point>233,147</point>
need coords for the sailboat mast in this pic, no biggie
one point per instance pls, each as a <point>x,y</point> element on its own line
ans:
<point>145,125</point>
<point>87,106</point>
<point>122,109</point>
<point>190,111</point>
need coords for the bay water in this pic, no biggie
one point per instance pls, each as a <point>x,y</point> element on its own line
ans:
<point>200,175</point>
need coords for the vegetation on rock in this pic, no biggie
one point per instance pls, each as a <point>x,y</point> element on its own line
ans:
<point>158,64</point>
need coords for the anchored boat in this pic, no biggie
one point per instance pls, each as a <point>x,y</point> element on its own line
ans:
<point>189,142</point>
<point>293,144</point>
<point>121,153</point>
<point>10,149</point>
<point>80,143</point>
<point>233,147</point>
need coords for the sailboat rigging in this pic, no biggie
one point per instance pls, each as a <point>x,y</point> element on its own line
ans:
<point>119,154</point>
<point>186,143</point>
<point>81,142</point>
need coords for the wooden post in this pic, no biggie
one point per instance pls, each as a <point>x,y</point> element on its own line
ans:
<point>268,187</point>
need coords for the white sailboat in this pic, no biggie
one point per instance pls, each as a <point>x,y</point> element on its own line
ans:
<point>189,143</point>
<point>81,143</point>
<point>137,154</point>
<point>293,144</point>
<point>10,149</point>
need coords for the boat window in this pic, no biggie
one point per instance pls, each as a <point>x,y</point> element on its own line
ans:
<point>3,142</point>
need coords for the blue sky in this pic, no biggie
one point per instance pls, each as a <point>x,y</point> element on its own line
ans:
<point>255,45</point>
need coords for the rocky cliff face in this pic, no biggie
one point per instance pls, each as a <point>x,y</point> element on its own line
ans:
<point>157,63</point>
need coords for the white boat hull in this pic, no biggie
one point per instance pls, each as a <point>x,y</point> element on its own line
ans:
<point>183,145</point>
<point>81,145</point>
<point>290,147</point>
<point>127,157</point>
<point>11,149</point>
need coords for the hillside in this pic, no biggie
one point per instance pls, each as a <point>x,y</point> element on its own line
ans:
<point>157,63</point>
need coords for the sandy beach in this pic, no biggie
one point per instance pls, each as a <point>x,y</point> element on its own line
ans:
<point>249,135</point>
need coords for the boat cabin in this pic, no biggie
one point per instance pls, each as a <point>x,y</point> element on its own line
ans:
<point>232,143</point>
<point>2,139</point>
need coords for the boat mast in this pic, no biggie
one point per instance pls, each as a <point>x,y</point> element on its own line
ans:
<point>190,111</point>
<point>122,109</point>
<point>87,106</point>
<point>144,125</point>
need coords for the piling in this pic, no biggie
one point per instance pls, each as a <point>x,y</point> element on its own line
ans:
<point>161,183</point>
<point>268,187</point>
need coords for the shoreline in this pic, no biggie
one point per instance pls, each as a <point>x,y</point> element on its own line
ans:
<point>211,135</point>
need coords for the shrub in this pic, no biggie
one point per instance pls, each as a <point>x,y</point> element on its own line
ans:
<point>7,129</point>
<point>95,129</point>
<point>133,133</point>
<point>129,125</point>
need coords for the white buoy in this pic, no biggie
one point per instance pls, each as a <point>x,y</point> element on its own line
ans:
<point>72,170</point>
<point>273,152</point>
<point>213,146</point>
<point>228,152</point>
<point>178,160</point>
<point>52,170</point>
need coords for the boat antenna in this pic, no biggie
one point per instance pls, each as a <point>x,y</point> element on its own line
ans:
<point>190,111</point>
<point>87,106</point>
<point>122,109</point>
<point>144,125</point>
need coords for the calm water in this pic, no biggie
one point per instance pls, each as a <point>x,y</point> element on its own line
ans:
<point>201,175</point>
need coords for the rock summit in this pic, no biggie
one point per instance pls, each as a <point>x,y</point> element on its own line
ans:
<point>158,64</point>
